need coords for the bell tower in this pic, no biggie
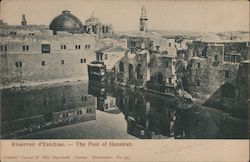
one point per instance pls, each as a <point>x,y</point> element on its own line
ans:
<point>143,20</point>
<point>24,22</point>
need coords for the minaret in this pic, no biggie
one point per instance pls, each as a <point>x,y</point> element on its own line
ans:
<point>143,20</point>
<point>24,22</point>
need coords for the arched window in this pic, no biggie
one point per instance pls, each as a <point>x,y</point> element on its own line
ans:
<point>121,68</point>
<point>130,70</point>
<point>139,71</point>
<point>160,78</point>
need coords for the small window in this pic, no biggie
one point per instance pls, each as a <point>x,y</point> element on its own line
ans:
<point>166,63</point>
<point>43,63</point>
<point>157,48</point>
<point>1,48</point>
<point>63,46</point>
<point>45,48</point>
<point>84,60</point>
<point>25,48</point>
<point>81,61</point>
<point>169,44</point>
<point>199,65</point>
<point>198,83</point>
<point>227,74</point>
<point>62,62</point>
<point>106,56</point>
<point>78,46</point>
<point>215,57</point>
<point>5,48</point>
<point>19,64</point>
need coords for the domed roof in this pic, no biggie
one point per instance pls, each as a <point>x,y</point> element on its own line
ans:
<point>65,22</point>
<point>92,20</point>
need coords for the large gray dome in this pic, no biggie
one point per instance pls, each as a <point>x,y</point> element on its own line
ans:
<point>65,22</point>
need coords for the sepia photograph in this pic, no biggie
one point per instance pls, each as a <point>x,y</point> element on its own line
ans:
<point>135,69</point>
<point>126,81</point>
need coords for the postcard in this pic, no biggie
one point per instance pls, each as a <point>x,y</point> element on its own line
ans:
<point>124,81</point>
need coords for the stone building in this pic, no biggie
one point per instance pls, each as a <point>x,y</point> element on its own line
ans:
<point>30,54</point>
<point>93,25</point>
<point>163,72</point>
<point>110,55</point>
<point>133,68</point>
<point>45,59</point>
<point>70,23</point>
<point>212,62</point>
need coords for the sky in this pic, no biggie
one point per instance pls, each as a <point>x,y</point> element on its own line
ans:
<point>202,16</point>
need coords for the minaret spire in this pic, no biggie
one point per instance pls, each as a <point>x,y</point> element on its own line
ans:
<point>143,19</point>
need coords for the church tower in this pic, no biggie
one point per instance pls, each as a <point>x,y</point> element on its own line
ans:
<point>24,22</point>
<point>143,20</point>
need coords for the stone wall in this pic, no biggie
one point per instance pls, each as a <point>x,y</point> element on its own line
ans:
<point>18,66</point>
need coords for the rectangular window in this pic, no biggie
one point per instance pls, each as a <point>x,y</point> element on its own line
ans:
<point>5,48</point>
<point>43,63</point>
<point>106,56</point>
<point>226,74</point>
<point>169,44</point>
<point>166,63</point>
<point>26,48</point>
<point>87,46</point>
<point>63,46</point>
<point>199,65</point>
<point>45,48</point>
<point>198,83</point>
<point>84,60</point>
<point>19,64</point>
<point>215,57</point>
<point>81,61</point>
<point>78,46</point>
<point>1,48</point>
<point>62,62</point>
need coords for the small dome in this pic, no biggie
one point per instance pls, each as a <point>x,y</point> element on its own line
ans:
<point>92,20</point>
<point>65,22</point>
